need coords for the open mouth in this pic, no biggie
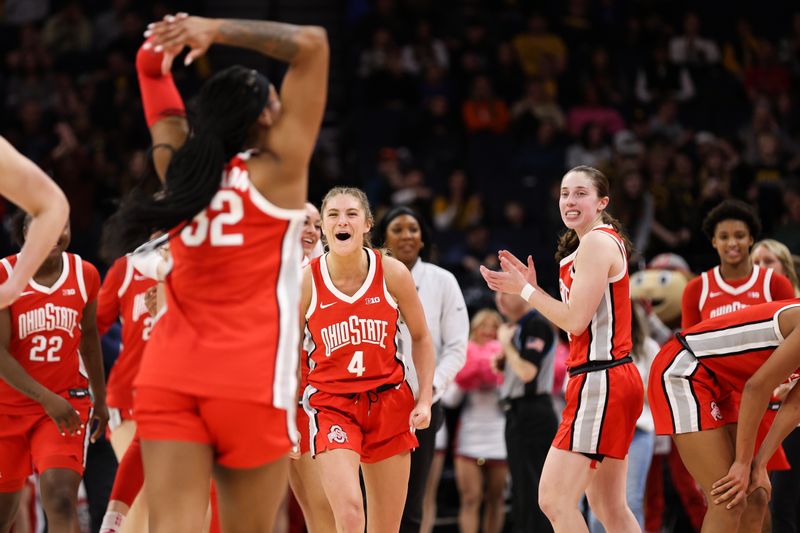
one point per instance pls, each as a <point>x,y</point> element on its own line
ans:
<point>342,236</point>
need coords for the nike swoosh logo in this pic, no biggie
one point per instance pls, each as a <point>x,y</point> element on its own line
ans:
<point>713,294</point>
<point>137,277</point>
<point>325,306</point>
<point>27,293</point>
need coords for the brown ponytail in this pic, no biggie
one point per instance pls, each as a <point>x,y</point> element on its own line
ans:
<point>568,241</point>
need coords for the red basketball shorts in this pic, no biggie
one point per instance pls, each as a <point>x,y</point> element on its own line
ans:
<point>601,412</point>
<point>373,424</point>
<point>242,434</point>
<point>31,442</point>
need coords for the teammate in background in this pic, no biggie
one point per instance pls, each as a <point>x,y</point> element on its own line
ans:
<point>25,185</point>
<point>122,295</point>
<point>734,284</point>
<point>49,357</point>
<point>362,410</point>
<point>303,475</point>
<point>406,235</point>
<point>605,393</point>
<point>785,500</point>
<point>219,372</point>
<point>694,386</point>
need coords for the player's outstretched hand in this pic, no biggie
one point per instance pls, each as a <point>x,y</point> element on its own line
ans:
<point>63,414</point>
<point>514,274</point>
<point>420,417</point>
<point>100,418</point>
<point>175,32</point>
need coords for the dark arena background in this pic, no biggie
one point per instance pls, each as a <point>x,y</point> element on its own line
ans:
<point>468,111</point>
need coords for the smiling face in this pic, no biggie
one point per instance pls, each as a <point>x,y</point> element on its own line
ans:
<point>732,240</point>
<point>579,203</point>
<point>345,224</point>
<point>404,238</point>
<point>764,258</point>
<point>311,230</point>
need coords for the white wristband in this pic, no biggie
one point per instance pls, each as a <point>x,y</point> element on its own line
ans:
<point>526,291</point>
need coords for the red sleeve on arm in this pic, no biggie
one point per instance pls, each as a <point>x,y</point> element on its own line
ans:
<point>690,303</point>
<point>108,298</point>
<point>160,97</point>
<point>780,287</point>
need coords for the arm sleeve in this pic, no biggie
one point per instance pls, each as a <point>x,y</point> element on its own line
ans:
<point>690,310</point>
<point>454,331</point>
<point>536,340</point>
<point>781,288</point>
<point>108,297</point>
<point>160,96</point>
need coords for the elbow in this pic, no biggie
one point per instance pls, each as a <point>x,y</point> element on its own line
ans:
<point>756,388</point>
<point>313,39</point>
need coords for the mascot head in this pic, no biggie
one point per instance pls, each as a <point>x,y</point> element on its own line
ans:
<point>662,284</point>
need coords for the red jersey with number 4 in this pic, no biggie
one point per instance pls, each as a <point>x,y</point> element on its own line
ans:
<point>230,327</point>
<point>122,295</point>
<point>608,335</point>
<point>46,331</point>
<point>353,338</point>
<point>709,296</point>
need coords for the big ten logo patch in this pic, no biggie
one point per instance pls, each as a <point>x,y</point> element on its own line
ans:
<point>337,434</point>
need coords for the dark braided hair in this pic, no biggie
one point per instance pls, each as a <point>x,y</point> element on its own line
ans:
<point>224,121</point>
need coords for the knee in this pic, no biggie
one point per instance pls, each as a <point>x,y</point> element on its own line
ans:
<point>609,511</point>
<point>59,501</point>
<point>757,501</point>
<point>470,498</point>
<point>349,515</point>
<point>552,504</point>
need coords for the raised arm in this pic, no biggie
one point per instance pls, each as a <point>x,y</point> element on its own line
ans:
<point>305,85</point>
<point>24,184</point>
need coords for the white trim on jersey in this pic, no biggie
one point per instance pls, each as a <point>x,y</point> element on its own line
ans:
<point>621,247</point>
<point>59,282</point>
<point>735,291</point>
<point>79,276</point>
<point>747,337</point>
<point>268,208</point>
<point>7,266</point>
<point>284,385</point>
<point>388,295</point>
<point>677,384</point>
<point>570,257</point>
<point>703,292</point>
<point>602,328</point>
<point>126,281</point>
<point>326,278</point>
<point>312,306</point>
<point>767,281</point>
<point>589,417</point>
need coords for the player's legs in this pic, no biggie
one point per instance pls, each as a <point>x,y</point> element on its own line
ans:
<point>249,498</point>
<point>469,481</point>
<point>757,502</point>
<point>59,490</point>
<point>496,474</point>
<point>122,436</point>
<point>607,496</point>
<point>178,482</point>
<point>338,470</point>
<point>127,506</point>
<point>386,483</point>
<point>9,504</point>
<point>708,455</point>
<point>307,487</point>
<point>431,492</point>
<point>565,477</point>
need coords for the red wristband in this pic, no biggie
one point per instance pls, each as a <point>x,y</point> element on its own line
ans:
<point>160,96</point>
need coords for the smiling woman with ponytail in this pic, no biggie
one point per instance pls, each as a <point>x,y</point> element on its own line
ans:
<point>218,374</point>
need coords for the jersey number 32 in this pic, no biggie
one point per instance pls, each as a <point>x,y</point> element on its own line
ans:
<point>228,209</point>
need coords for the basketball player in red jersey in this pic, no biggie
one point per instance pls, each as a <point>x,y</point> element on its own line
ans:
<point>695,381</point>
<point>24,184</point>
<point>122,295</point>
<point>303,475</point>
<point>216,388</point>
<point>734,284</point>
<point>604,394</point>
<point>49,357</point>
<point>362,410</point>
